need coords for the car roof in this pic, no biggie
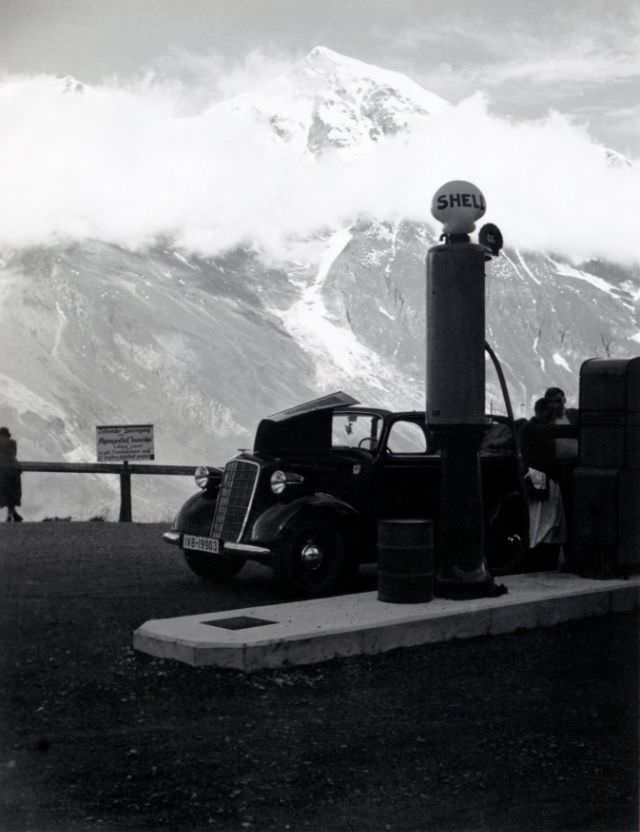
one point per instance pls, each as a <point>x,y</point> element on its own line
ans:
<point>381,411</point>
<point>331,402</point>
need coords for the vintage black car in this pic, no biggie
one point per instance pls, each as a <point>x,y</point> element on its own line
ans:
<point>307,500</point>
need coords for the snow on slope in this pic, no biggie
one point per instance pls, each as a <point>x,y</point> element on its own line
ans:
<point>340,359</point>
<point>565,270</point>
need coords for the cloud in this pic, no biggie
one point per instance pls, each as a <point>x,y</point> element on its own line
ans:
<point>195,80</point>
<point>560,68</point>
<point>583,64</point>
<point>625,119</point>
<point>531,58</point>
<point>594,41</point>
<point>125,165</point>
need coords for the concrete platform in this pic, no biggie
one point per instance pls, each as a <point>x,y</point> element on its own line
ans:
<point>307,632</point>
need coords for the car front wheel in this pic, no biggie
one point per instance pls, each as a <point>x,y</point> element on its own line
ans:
<point>310,562</point>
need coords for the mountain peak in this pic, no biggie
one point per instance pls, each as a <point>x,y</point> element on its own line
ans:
<point>321,58</point>
<point>327,62</point>
<point>323,53</point>
<point>329,100</point>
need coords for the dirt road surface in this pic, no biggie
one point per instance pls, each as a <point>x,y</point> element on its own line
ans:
<point>537,730</point>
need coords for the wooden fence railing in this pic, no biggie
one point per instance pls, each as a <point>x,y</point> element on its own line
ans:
<point>123,469</point>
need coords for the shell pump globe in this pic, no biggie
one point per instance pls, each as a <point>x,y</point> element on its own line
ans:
<point>457,205</point>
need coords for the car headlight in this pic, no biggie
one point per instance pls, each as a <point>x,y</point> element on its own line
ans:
<point>278,482</point>
<point>201,476</point>
<point>281,479</point>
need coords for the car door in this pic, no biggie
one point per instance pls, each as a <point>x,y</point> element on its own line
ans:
<point>408,474</point>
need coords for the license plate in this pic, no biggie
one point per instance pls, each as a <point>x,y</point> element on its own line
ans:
<point>201,544</point>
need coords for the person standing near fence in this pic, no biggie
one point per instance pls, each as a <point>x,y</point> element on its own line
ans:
<point>10,476</point>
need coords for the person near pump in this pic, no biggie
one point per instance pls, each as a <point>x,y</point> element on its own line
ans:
<point>566,447</point>
<point>547,523</point>
<point>565,422</point>
<point>10,476</point>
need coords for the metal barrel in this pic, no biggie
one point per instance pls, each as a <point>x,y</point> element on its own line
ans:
<point>405,561</point>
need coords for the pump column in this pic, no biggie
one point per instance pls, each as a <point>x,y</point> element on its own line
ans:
<point>456,390</point>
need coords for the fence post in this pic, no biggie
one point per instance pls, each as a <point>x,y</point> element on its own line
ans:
<point>125,493</point>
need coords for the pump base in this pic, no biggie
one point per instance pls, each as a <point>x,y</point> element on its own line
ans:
<point>462,591</point>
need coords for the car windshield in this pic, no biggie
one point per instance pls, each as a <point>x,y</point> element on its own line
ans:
<point>356,430</point>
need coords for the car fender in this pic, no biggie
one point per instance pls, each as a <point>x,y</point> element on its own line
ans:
<point>278,519</point>
<point>196,514</point>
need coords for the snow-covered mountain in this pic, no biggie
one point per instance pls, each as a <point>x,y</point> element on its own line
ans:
<point>203,347</point>
<point>331,101</point>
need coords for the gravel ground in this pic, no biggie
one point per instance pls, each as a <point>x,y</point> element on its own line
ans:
<point>537,730</point>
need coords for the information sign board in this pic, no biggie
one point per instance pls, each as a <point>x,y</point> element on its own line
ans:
<point>124,442</point>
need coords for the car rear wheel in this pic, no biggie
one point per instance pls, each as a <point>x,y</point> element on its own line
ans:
<point>311,561</point>
<point>218,569</point>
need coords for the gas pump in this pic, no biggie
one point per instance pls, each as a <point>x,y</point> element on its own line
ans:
<point>456,386</point>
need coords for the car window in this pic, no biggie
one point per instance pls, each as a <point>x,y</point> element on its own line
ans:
<point>406,438</point>
<point>356,430</point>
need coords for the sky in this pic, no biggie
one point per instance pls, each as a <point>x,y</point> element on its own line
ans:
<point>536,87</point>
<point>581,57</point>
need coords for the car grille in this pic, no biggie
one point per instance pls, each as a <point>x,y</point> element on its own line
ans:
<point>234,499</point>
